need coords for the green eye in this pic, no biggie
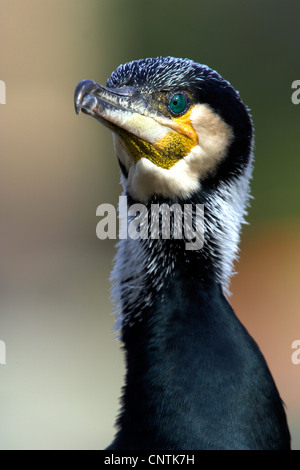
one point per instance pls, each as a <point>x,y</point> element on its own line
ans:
<point>178,103</point>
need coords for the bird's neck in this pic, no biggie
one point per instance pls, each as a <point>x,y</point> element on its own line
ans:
<point>195,379</point>
<point>143,266</point>
<point>168,360</point>
<point>180,356</point>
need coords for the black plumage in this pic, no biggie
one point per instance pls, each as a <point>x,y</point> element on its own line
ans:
<point>195,379</point>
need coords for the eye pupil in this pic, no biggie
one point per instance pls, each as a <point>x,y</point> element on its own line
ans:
<point>178,103</point>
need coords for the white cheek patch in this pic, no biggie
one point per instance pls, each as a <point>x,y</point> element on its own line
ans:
<point>146,179</point>
<point>214,137</point>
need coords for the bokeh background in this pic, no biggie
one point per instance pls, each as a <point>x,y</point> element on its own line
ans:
<point>60,386</point>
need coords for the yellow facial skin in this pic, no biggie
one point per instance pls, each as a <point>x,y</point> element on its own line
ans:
<point>166,151</point>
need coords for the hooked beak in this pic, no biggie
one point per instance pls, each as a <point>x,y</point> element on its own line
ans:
<point>92,98</point>
<point>120,108</point>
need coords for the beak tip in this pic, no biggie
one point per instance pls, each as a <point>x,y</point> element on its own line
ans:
<point>81,90</point>
<point>77,107</point>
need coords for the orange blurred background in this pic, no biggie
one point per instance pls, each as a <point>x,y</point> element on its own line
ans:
<point>61,384</point>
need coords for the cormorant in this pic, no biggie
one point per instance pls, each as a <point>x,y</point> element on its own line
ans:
<point>195,378</point>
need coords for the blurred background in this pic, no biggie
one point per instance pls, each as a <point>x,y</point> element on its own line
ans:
<point>61,384</point>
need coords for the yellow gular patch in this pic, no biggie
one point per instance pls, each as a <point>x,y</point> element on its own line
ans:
<point>168,150</point>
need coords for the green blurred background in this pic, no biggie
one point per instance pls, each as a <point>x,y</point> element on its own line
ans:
<point>60,386</point>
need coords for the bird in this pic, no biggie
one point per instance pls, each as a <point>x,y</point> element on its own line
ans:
<point>195,378</point>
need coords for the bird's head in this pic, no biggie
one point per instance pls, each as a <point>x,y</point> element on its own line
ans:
<point>177,126</point>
